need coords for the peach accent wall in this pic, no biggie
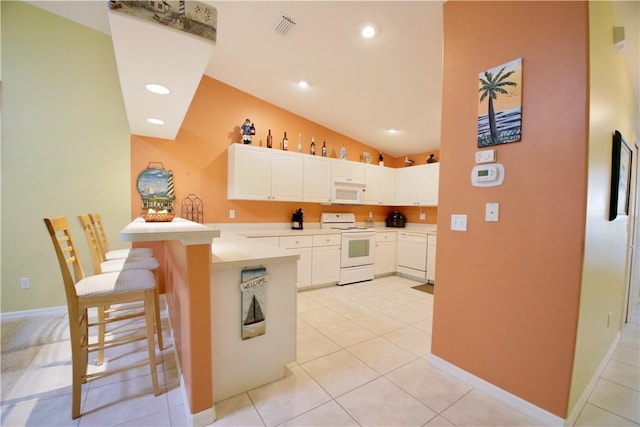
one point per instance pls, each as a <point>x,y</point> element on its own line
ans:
<point>198,156</point>
<point>507,294</point>
<point>189,301</point>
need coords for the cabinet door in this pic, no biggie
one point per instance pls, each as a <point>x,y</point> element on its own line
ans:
<point>380,185</point>
<point>286,176</point>
<point>431,259</point>
<point>304,266</point>
<point>317,179</point>
<point>249,173</point>
<point>325,265</point>
<point>385,262</point>
<point>347,171</point>
<point>407,186</point>
<point>428,181</point>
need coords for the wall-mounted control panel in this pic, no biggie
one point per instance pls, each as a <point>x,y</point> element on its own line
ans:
<point>486,156</point>
<point>487,175</point>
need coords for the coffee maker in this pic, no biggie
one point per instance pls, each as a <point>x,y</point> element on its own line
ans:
<point>296,219</point>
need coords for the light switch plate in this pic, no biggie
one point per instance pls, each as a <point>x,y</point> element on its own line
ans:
<point>458,222</point>
<point>492,212</point>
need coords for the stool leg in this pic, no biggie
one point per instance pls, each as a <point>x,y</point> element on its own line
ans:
<point>149,303</point>
<point>158,319</point>
<point>102,331</point>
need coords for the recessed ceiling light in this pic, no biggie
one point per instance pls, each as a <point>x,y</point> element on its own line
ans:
<point>156,88</point>
<point>155,121</point>
<point>368,31</point>
<point>303,84</point>
<point>392,130</point>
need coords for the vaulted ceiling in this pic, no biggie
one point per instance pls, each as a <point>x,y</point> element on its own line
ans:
<point>358,87</point>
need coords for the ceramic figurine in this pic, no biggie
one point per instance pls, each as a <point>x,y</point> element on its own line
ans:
<point>247,129</point>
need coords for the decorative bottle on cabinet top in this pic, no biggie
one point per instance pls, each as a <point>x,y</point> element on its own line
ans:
<point>312,148</point>
<point>285,142</point>
<point>324,148</point>
<point>269,140</point>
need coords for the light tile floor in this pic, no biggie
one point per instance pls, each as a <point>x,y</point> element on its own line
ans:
<point>362,360</point>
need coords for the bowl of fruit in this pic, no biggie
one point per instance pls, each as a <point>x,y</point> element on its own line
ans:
<point>158,216</point>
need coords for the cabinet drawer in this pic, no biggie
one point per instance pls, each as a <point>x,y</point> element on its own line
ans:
<point>327,240</point>
<point>431,240</point>
<point>386,236</point>
<point>291,242</point>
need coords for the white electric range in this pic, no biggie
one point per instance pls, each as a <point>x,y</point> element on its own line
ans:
<point>357,248</point>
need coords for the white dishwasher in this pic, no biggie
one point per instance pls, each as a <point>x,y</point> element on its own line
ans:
<point>412,254</point>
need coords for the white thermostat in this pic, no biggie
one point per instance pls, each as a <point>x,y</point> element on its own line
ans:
<point>487,175</point>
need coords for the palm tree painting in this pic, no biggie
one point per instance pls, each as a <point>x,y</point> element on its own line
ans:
<point>500,118</point>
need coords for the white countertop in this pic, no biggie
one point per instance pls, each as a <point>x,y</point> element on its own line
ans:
<point>310,229</point>
<point>232,250</point>
<point>188,232</point>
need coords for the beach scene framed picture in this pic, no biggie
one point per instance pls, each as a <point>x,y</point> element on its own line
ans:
<point>500,104</point>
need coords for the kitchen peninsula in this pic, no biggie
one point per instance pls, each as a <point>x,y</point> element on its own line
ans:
<point>202,279</point>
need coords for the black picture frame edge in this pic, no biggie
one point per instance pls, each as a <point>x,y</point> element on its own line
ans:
<point>616,153</point>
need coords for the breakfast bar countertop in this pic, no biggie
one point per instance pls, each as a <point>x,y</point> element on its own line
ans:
<point>188,232</point>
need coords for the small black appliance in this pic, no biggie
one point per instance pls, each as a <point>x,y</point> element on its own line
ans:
<point>296,220</point>
<point>395,219</point>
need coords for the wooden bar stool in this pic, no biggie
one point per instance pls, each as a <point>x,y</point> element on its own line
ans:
<point>98,291</point>
<point>116,265</point>
<point>103,242</point>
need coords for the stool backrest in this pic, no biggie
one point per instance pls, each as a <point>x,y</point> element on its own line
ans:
<point>92,242</point>
<point>68,260</point>
<point>101,234</point>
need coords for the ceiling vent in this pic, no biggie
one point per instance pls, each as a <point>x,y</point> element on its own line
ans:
<point>283,25</point>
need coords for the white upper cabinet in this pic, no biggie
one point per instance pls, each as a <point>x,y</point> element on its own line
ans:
<point>256,173</point>
<point>286,176</point>
<point>316,185</point>
<point>417,185</point>
<point>380,185</point>
<point>429,181</point>
<point>347,171</point>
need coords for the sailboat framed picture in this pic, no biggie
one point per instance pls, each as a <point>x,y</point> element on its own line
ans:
<point>254,298</point>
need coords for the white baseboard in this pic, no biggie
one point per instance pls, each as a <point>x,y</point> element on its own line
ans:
<point>577,408</point>
<point>12,315</point>
<point>545,417</point>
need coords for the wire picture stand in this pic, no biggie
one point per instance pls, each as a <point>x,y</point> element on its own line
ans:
<point>192,208</point>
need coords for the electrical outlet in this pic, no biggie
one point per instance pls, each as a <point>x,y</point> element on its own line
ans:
<point>423,215</point>
<point>232,213</point>
<point>25,283</point>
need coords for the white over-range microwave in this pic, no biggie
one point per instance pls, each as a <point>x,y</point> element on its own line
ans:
<point>347,193</point>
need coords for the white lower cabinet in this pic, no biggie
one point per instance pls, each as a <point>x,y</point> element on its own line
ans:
<point>431,258</point>
<point>302,246</point>
<point>325,259</point>
<point>385,260</point>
